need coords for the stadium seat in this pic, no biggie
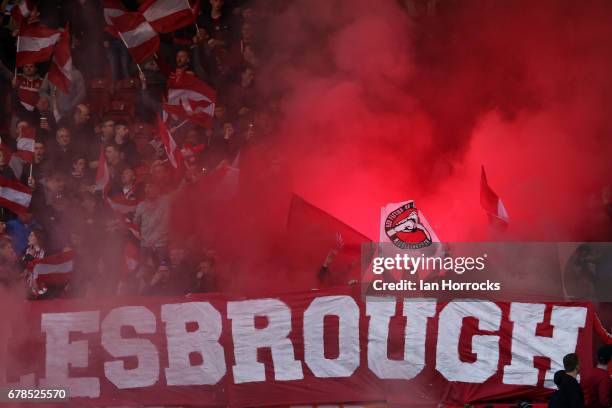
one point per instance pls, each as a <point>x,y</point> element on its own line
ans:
<point>128,90</point>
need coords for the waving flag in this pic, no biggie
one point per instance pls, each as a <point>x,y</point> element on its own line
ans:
<point>14,195</point>
<point>60,71</point>
<point>172,150</point>
<point>191,99</point>
<point>54,269</point>
<point>102,173</point>
<point>35,44</point>
<point>22,9</point>
<point>122,205</point>
<point>112,8</point>
<point>139,37</point>
<point>25,144</point>
<point>131,257</point>
<point>166,16</point>
<point>490,201</point>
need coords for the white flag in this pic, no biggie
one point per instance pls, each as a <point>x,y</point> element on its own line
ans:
<point>405,226</point>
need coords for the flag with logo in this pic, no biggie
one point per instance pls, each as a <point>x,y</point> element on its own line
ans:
<point>404,228</point>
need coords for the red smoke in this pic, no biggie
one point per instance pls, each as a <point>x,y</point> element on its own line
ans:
<point>377,109</point>
<point>372,106</point>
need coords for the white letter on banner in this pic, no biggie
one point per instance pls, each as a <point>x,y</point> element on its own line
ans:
<point>60,353</point>
<point>144,322</point>
<point>380,312</point>
<point>526,344</point>
<point>314,342</point>
<point>248,339</point>
<point>204,341</point>
<point>486,347</point>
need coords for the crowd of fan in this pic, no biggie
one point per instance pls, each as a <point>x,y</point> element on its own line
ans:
<point>111,107</point>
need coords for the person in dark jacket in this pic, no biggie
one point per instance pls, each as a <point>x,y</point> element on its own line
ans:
<point>569,393</point>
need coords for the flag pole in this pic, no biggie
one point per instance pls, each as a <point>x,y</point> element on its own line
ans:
<point>195,17</point>
<point>178,126</point>
<point>18,37</point>
<point>126,46</point>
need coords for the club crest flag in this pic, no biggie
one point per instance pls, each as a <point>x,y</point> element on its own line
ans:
<point>405,226</point>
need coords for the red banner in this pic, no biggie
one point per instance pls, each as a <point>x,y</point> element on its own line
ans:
<point>315,347</point>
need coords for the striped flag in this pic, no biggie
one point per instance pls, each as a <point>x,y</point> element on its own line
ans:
<point>172,150</point>
<point>490,201</point>
<point>112,8</point>
<point>191,99</point>
<point>22,9</point>
<point>102,173</point>
<point>25,144</point>
<point>35,44</point>
<point>54,269</point>
<point>166,16</point>
<point>14,195</point>
<point>141,40</point>
<point>60,70</point>
<point>122,205</point>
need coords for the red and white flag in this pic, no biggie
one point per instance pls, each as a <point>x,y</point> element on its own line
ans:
<point>122,205</point>
<point>131,257</point>
<point>490,201</point>
<point>60,70</point>
<point>14,195</point>
<point>54,269</point>
<point>133,228</point>
<point>112,8</point>
<point>25,144</point>
<point>22,9</point>
<point>191,99</point>
<point>35,44</point>
<point>172,150</point>
<point>141,40</point>
<point>166,16</point>
<point>102,173</point>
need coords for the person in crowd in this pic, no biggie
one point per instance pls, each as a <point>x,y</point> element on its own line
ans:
<point>44,118</point>
<point>87,30</point>
<point>242,96</point>
<point>128,150</point>
<point>60,152</point>
<point>80,177</point>
<point>204,279</point>
<point>569,393</point>
<point>153,217</point>
<point>80,126</point>
<point>19,230</point>
<point>596,383</point>
<point>32,174</point>
<point>27,86</point>
<point>106,137</point>
<point>53,186</point>
<point>117,54</point>
<point>9,273</point>
<point>5,170</point>
<point>64,104</point>
<point>115,165</point>
<point>153,88</point>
